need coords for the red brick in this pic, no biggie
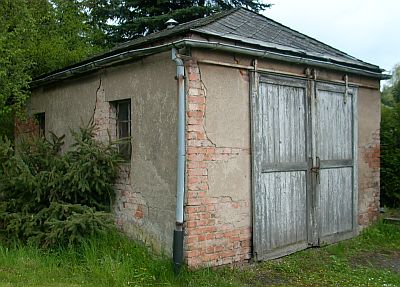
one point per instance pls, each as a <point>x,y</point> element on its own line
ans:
<point>191,135</point>
<point>199,143</point>
<point>197,171</point>
<point>198,186</point>
<point>196,164</point>
<point>196,107</point>
<point>201,135</point>
<point>195,179</point>
<point>195,157</point>
<point>193,201</point>
<point>193,253</point>
<point>191,150</point>
<point>195,121</point>
<point>195,114</point>
<point>195,128</point>
<point>194,76</point>
<point>191,224</point>
<point>191,239</point>
<point>139,213</point>
<point>196,99</point>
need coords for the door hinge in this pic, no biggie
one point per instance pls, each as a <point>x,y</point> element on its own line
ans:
<point>346,91</point>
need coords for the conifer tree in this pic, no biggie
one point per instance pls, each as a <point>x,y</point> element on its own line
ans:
<point>135,18</point>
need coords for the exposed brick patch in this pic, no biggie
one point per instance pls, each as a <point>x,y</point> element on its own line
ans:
<point>369,181</point>
<point>210,238</point>
<point>130,208</point>
<point>104,116</point>
<point>26,127</point>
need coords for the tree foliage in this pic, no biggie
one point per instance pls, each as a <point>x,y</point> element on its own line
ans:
<point>36,37</point>
<point>135,18</point>
<point>49,198</point>
<point>40,36</point>
<point>390,142</point>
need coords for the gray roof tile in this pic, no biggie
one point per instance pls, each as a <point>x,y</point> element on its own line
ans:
<point>245,28</point>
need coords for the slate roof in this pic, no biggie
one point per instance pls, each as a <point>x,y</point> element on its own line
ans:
<point>246,28</point>
<point>249,27</point>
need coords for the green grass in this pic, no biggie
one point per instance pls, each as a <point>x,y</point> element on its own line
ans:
<point>114,260</point>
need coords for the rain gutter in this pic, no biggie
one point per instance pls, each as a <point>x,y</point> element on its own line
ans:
<point>311,60</point>
<point>261,53</point>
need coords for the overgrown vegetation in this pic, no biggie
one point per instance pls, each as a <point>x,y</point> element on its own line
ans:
<point>114,260</point>
<point>49,198</point>
<point>40,36</point>
<point>36,37</point>
<point>135,18</point>
<point>390,142</point>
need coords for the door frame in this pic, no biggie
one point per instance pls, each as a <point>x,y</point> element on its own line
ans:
<point>313,232</point>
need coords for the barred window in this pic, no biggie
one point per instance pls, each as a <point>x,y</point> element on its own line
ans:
<point>123,125</point>
<point>41,121</point>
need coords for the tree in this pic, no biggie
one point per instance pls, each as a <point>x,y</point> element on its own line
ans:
<point>16,30</point>
<point>36,37</point>
<point>390,141</point>
<point>57,199</point>
<point>136,18</point>
<point>40,36</point>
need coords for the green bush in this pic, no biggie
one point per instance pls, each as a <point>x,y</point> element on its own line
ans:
<point>390,156</point>
<point>51,198</point>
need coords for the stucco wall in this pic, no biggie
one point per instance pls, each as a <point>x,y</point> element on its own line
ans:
<point>67,105</point>
<point>218,208</point>
<point>148,208</point>
<point>145,205</point>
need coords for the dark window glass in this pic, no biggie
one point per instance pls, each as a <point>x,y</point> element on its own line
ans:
<point>124,128</point>
<point>41,121</point>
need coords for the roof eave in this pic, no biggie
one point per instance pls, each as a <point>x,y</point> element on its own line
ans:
<point>255,49</point>
<point>282,55</point>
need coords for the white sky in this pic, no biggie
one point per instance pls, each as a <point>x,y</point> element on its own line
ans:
<point>366,29</point>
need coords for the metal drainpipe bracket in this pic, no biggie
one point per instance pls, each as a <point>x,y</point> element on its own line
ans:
<point>181,77</point>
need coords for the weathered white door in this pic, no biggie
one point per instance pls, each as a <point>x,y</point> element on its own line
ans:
<point>280,162</point>
<point>303,165</point>
<point>334,155</point>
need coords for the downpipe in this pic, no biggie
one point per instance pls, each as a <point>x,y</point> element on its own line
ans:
<point>181,159</point>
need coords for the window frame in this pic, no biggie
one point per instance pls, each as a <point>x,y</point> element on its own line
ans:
<point>41,123</point>
<point>125,140</point>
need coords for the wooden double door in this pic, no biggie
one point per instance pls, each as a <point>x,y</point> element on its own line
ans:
<point>304,164</point>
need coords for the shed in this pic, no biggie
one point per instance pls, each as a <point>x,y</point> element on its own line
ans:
<point>248,139</point>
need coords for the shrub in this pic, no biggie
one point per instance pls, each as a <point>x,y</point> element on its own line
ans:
<point>390,156</point>
<point>51,198</point>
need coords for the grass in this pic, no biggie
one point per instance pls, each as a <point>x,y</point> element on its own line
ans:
<point>362,261</point>
<point>114,260</point>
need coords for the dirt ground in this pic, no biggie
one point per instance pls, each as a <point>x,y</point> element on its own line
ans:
<point>389,260</point>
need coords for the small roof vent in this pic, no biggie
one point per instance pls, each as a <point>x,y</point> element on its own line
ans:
<point>171,23</point>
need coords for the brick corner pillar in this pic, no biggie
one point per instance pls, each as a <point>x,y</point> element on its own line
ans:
<point>212,237</point>
<point>369,181</point>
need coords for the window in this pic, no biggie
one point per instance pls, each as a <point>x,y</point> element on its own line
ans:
<point>123,125</point>
<point>41,121</point>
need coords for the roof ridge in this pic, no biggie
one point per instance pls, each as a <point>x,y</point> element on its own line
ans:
<point>180,28</point>
<point>211,18</point>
